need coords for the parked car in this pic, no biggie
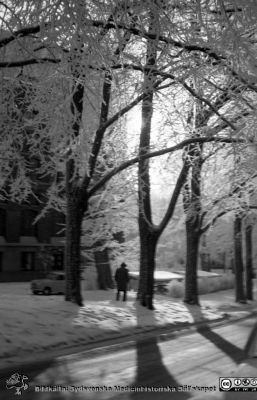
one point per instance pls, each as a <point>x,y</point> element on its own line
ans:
<point>53,283</point>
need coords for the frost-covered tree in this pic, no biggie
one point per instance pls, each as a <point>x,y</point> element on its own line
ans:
<point>83,90</point>
<point>102,59</point>
<point>67,69</point>
<point>206,62</point>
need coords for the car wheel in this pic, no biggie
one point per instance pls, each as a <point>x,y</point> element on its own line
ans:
<point>35,292</point>
<point>47,291</point>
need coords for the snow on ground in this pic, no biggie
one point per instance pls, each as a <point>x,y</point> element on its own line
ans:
<point>158,275</point>
<point>39,324</point>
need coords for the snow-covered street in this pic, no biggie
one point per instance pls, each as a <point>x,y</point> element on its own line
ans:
<point>36,325</point>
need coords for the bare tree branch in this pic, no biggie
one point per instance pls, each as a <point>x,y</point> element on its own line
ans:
<point>31,61</point>
<point>22,33</point>
<point>115,118</point>
<point>219,215</point>
<point>157,153</point>
<point>173,201</point>
<point>230,194</point>
<point>141,33</point>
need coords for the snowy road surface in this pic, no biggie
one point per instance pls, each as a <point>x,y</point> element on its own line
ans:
<point>189,366</point>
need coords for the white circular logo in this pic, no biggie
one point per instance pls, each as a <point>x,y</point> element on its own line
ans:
<point>237,382</point>
<point>254,381</point>
<point>225,384</point>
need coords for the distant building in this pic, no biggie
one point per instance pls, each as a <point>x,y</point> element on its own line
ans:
<point>29,250</point>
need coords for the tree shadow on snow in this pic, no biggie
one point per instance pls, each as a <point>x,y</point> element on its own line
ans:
<point>151,371</point>
<point>228,348</point>
<point>249,366</point>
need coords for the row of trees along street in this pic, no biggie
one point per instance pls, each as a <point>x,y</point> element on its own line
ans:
<point>71,74</point>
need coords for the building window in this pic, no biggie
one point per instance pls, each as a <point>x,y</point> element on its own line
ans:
<point>2,222</point>
<point>58,261</point>
<point>27,260</point>
<point>28,227</point>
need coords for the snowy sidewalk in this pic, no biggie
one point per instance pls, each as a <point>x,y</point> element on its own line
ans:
<point>39,325</point>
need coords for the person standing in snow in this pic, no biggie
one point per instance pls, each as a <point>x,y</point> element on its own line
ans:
<point>122,279</point>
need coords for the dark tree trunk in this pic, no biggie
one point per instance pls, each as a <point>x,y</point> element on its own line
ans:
<point>249,262</point>
<point>192,241</point>
<point>76,185</point>
<point>74,218</point>
<point>198,118</point>
<point>74,212</point>
<point>104,274</point>
<point>240,295</point>
<point>192,207</point>
<point>148,243</point>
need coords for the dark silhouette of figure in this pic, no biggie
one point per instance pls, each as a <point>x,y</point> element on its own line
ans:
<point>122,279</point>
